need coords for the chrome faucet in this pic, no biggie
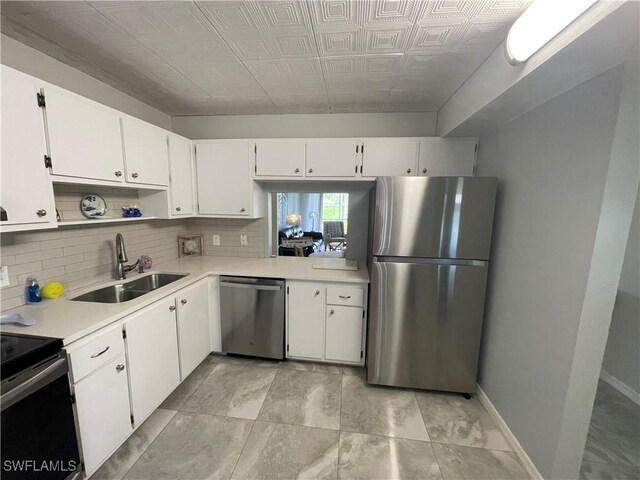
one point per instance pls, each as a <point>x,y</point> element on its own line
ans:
<point>121,259</point>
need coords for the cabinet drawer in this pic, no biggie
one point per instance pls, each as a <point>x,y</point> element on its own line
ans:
<point>340,295</point>
<point>96,352</point>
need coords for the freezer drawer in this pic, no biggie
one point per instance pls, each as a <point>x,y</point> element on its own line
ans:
<point>425,324</point>
<point>434,217</point>
<point>252,316</point>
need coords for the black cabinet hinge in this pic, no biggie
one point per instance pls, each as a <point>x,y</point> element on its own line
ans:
<point>41,101</point>
<point>361,353</point>
<point>124,334</point>
<point>360,169</point>
<point>287,290</point>
<point>357,148</point>
<point>73,398</point>
<point>356,168</point>
<point>47,162</point>
<point>132,421</point>
<point>287,348</point>
<point>362,313</point>
<point>255,148</point>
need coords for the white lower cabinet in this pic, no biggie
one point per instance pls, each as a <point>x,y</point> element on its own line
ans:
<point>344,329</point>
<point>319,330</point>
<point>194,326</point>
<point>152,356</point>
<point>104,417</point>
<point>305,316</point>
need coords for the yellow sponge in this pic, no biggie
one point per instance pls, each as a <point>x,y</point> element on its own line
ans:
<point>52,290</point>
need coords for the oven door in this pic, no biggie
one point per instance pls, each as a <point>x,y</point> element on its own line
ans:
<point>38,430</point>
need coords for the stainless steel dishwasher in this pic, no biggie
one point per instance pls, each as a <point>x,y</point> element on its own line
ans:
<point>252,315</point>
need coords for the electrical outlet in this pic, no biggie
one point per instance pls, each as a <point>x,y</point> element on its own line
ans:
<point>243,241</point>
<point>4,276</point>
<point>216,240</point>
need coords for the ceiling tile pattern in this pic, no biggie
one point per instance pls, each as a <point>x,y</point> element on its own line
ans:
<point>289,56</point>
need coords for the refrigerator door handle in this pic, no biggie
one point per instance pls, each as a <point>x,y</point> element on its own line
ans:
<point>431,261</point>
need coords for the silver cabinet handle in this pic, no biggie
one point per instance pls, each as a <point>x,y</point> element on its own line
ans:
<point>330,312</point>
<point>311,170</point>
<point>178,209</point>
<point>134,175</point>
<point>297,170</point>
<point>172,308</point>
<point>242,210</point>
<point>408,170</point>
<point>118,173</point>
<point>119,367</point>
<point>96,355</point>
<point>183,301</point>
<point>317,292</point>
<point>41,213</point>
<point>345,297</point>
<point>424,170</point>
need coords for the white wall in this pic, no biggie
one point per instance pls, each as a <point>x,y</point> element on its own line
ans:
<point>29,60</point>
<point>622,356</point>
<point>311,126</point>
<point>553,164</point>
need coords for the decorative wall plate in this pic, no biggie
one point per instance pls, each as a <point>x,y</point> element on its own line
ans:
<point>93,206</point>
<point>190,245</point>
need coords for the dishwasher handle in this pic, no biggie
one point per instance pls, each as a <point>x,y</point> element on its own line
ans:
<point>251,286</point>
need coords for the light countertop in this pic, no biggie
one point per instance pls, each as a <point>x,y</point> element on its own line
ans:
<point>71,321</point>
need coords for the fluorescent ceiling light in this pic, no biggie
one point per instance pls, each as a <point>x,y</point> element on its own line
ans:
<point>543,20</point>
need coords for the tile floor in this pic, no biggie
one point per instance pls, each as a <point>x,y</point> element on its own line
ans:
<point>612,451</point>
<point>252,419</point>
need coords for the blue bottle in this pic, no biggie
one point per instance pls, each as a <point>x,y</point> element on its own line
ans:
<point>33,291</point>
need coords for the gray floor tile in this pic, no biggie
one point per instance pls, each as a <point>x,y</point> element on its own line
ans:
<point>278,451</point>
<point>188,386</point>
<point>450,418</point>
<point>359,371</point>
<point>603,447</point>
<point>311,366</point>
<point>370,456</point>
<point>251,362</point>
<point>193,446</point>
<point>121,461</point>
<point>232,390</point>
<point>311,399</point>
<point>604,471</point>
<point>468,463</point>
<point>380,411</point>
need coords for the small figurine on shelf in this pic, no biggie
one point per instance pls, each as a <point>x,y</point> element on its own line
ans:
<point>131,210</point>
<point>146,262</point>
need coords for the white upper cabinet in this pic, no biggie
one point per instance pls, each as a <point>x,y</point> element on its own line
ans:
<point>333,157</point>
<point>26,192</point>
<point>146,152</point>
<point>390,157</point>
<point>280,157</point>
<point>223,172</point>
<point>454,157</point>
<point>181,179</point>
<point>84,137</point>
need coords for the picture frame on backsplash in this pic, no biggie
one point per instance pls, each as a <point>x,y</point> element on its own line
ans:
<point>190,245</point>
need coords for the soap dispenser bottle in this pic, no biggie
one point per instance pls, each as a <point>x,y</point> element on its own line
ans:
<point>33,291</point>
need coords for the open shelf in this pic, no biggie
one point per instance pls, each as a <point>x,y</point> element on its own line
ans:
<point>90,221</point>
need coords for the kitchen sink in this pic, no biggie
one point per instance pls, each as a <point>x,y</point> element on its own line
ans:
<point>123,292</point>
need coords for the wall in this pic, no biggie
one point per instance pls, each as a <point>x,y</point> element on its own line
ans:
<point>552,164</point>
<point>622,356</point>
<point>230,231</point>
<point>310,126</point>
<point>29,60</point>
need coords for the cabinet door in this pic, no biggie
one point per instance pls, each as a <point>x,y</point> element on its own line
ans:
<point>26,192</point>
<point>333,157</point>
<point>390,157</point>
<point>102,405</point>
<point>305,320</point>
<point>455,157</point>
<point>181,179</point>
<point>343,341</point>
<point>152,355</point>
<point>194,320</point>
<point>224,178</point>
<point>146,153</point>
<point>216,326</point>
<point>84,137</point>
<point>280,158</point>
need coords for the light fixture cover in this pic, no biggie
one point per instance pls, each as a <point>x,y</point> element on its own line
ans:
<point>293,219</point>
<point>541,22</point>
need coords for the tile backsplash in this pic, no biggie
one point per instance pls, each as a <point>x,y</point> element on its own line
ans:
<point>84,255</point>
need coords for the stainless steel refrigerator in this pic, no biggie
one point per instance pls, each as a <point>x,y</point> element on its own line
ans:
<point>431,245</point>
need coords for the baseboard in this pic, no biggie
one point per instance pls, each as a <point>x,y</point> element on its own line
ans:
<point>620,386</point>
<point>511,438</point>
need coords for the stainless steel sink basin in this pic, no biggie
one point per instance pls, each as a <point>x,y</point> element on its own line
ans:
<point>123,292</point>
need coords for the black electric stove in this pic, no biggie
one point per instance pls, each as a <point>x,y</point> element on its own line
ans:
<point>19,352</point>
